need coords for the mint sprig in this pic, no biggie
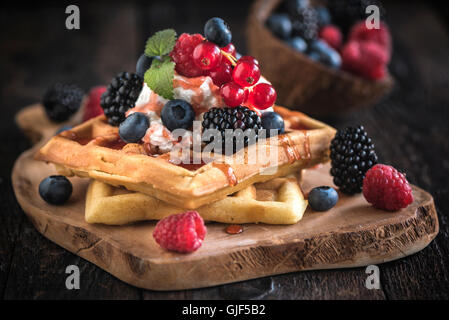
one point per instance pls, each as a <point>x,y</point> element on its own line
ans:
<point>160,77</point>
<point>161,73</point>
<point>161,43</point>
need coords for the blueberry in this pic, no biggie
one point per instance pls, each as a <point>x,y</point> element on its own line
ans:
<point>325,53</point>
<point>217,31</point>
<point>272,120</point>
<point>177,114</point>
<point>324,17</point>
<point>280,25</point>
<point>134,127</point>
<point>298,43</point>
<point>62,129</point>
<point>294,6</point>
<point>143,64</point>
<point>323,198</point>
<point>315,56</point>
<point>55,189</point>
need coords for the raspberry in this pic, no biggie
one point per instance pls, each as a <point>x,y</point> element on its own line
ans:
<point>386,188</point>
<point>366,58</point>
<point>359,32</point>
<point>332,35</point>
<point>182,55</point>
<point>183,232</point>
<point>93,107</point>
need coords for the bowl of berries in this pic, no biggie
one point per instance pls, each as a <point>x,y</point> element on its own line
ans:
<point>321,56</point>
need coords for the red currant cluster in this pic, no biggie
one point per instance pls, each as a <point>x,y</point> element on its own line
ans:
<point>237,79</point>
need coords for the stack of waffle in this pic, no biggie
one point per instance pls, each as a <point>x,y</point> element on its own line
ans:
<point>128,185</point>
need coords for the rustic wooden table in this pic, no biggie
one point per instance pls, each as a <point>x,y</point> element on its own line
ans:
<point>410,129</point>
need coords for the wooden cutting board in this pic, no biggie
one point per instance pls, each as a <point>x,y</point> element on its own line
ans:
<point>349,235</point>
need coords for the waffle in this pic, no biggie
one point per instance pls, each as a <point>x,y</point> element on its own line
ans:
<point>278,201</point>
<point>93,150</point>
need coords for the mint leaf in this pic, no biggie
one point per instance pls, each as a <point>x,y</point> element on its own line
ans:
<point>161,43</point>
<point>160,77</point>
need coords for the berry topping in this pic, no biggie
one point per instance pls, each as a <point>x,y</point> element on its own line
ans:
<point>93,107</point>
<point>359,32</point>
<point>323,15</point>
<point>332,35</point>
<point>305,23</point>
<point>143,64</point>
<point>367,59</point>
<point>61,101</point>
<point>233,118</point>
<point>249,59</point>
<point>120,96</point>
<point>352,155</point>
<point>182,55</point>
<point>321,51</point>
<point>322,198</point>
<point>280,25</point>
<point>293,6</point>
<point>134,127</point>
<point>183,232</point>
<point>217,31</point>
<point>206,55</point>
<point>55,189</point>
<point>230,48</point>
<point>386,188</point>
<point>222,74</point>
<point>262,96</point>
<point>273,121</point>
<point>177,114</point>
<point>233,95</point>
<point>246,74</point>
<point>298,44</point>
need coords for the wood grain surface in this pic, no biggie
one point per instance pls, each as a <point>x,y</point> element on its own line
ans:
<point>409,128</point>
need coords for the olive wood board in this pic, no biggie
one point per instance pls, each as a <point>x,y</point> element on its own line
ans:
<point>351,234</point>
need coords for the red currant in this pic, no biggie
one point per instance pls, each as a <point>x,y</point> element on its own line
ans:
<point>246,74</point>
<point>206,55</point>
<point>233,95</point>
<point>222,74</point>
<point>229,49</point>
<point>249,59</point>
<point>262,96</point>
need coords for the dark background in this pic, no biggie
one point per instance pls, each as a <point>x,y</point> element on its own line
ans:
<point>410,129</point>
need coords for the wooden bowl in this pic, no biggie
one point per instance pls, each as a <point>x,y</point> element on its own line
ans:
<point>302,83</point>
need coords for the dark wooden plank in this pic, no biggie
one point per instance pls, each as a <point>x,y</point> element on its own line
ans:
<point>38,51</point>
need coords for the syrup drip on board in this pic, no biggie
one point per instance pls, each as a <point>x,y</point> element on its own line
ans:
<point>228,171</point>
<point>234,229</point>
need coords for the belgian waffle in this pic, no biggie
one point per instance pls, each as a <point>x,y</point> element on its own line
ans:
<point>93,149</point>
<point>278,201</point>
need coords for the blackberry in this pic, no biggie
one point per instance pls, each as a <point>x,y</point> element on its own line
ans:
<point>352,155</point>
<point>347,12</point>
<point>232,118</point>
<point>120,96</point>
<point>61,101</point>
<point>305,23</point>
